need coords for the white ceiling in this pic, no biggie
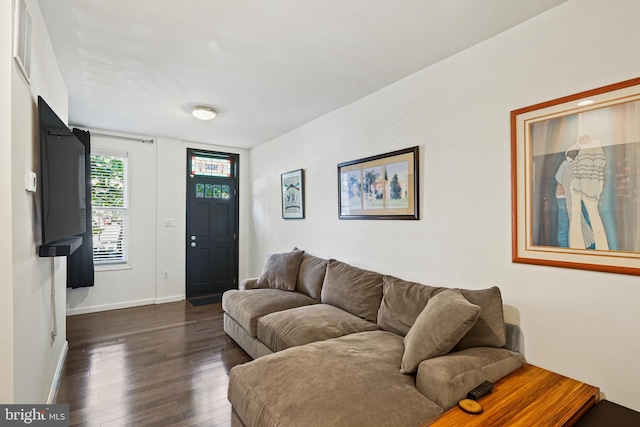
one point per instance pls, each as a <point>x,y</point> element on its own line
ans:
<point>266,66</point>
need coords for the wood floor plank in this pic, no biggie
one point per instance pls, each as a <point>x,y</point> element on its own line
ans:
<point>164,365</point>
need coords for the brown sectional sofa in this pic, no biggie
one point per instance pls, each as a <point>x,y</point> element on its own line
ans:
<point>336,345</point>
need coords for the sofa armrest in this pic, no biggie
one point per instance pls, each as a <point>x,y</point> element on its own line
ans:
<point>247,284</point>
<point>515,339</point>
<point>447,379</point>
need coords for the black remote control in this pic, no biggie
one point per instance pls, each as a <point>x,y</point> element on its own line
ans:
<point>480,391</point>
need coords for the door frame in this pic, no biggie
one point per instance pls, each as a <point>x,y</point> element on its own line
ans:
<point>235,175</point>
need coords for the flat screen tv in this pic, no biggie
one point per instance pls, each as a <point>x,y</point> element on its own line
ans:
<point>62,179</point>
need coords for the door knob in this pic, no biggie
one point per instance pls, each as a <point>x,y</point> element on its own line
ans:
<point>193,237</point>
<point>193,244</point>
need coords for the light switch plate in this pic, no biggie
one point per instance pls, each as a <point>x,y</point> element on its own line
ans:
<point>30,181</point>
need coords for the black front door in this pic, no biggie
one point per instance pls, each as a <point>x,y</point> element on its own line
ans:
<point>212,223</point>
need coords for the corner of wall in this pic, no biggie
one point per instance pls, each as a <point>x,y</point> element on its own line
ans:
<point>6,265</point>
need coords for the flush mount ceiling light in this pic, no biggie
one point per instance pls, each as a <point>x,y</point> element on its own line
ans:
<point>203,113</point>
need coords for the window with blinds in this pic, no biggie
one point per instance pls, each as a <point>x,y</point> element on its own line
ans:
<point>110,216</point>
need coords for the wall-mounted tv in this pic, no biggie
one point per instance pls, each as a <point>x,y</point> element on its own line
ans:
<point>62,183</point>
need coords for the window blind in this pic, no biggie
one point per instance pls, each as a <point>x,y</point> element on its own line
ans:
<point>110,215</point>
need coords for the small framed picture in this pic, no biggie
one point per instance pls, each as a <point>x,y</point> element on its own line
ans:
<point>292,184</point>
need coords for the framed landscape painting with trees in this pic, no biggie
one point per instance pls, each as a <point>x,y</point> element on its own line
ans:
<point>379,187</point>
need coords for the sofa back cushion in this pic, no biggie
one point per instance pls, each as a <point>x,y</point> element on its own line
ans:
<point>311,275</point>
<point>402,302</point>
<point>352,289</point>
<point>489,329</point>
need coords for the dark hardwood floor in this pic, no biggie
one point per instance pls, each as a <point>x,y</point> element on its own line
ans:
<point>163,365</point>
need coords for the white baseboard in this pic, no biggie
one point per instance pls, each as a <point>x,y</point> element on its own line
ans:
<point>107,307</point>
<point>56,378</point>
<point>127,304</point>
<point>173,298</point>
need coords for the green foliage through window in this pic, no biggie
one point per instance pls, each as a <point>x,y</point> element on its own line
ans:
<point>107,181</point>
<point>109,207</point>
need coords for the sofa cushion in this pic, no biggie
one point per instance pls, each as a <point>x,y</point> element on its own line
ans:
<point>402,302</point>
<point>446,318</point>
<point>250,344</point>
<point>303,325</point>
<point>352,289</point>
<point>447,379</point>
<point>311,275</point>
<point>298,386</point>
<point>281,271</point>
<point>489,329</point>
<point>246,307</point>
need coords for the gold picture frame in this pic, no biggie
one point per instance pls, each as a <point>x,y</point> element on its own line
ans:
<point>576,181</point>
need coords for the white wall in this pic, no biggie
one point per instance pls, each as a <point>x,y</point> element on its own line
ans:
<point>157,188</point>
<point>6,265</point>
<point>578,323</point>
<point>133,284</point>
<point>172,160</point>
<point>36,355</point>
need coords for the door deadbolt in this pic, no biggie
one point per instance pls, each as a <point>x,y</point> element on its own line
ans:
<point>193,244</point>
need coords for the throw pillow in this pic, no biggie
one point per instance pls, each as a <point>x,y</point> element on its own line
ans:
<point>445,319</point>
<point>489,330</point>
<point>281,271</point>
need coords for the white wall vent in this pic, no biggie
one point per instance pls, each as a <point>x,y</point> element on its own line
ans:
<point>22,38</point>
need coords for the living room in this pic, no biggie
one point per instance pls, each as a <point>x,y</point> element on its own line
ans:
<point>575,322</point>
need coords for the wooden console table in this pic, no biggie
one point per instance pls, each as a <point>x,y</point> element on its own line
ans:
<point>529,396</point>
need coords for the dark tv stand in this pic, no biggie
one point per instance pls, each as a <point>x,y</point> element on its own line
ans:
<point>62,247</point>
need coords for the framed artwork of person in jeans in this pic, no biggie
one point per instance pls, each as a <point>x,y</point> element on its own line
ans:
<point>576,180</point>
